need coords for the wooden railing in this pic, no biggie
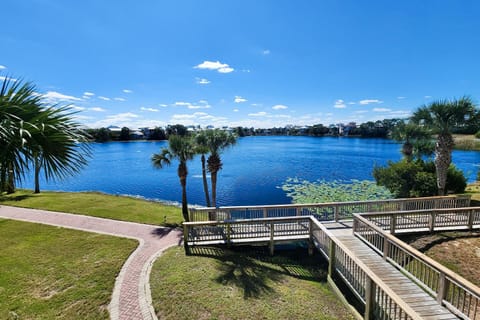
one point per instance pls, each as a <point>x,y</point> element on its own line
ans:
<point>380,301</point>
<point>326,211</point>
<point>454,292</point>
<point>426,220</point>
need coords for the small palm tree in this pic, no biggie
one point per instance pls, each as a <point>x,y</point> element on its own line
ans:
<point>180,148</point>
<point>414,137</point>
<point>441,117</point>
<point>202,149</point>
<point>217,140</point>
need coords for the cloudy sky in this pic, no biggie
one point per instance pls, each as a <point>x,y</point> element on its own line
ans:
<point>259,63</point>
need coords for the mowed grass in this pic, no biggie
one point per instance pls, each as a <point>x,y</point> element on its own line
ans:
<point>54,273</point>
<point>220,283</point>
<point>97,205</point>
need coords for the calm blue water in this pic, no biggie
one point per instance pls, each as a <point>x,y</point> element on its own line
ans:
<point>252,172</point>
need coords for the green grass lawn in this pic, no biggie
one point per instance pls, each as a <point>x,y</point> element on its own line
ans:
<point>216,283</point>
<point>54,273</point>
<point>97,205</point>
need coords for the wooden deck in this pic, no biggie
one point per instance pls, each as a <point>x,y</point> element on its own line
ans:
<point>393,280</point>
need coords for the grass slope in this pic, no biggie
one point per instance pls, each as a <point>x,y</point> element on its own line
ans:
<point>247,283</point>
<point>54,273</point>
<point>97,205</point>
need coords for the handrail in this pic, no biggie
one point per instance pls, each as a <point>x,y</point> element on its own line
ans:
<point>438,284</point>
<point>328,211</point>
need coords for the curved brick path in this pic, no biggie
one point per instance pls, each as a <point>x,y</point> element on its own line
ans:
<point>131,298</point>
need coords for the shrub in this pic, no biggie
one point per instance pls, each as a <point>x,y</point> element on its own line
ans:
<point>417,179</point>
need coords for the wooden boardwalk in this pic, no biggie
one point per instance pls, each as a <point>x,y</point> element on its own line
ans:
<point>421,302</point>
<point>391,279</point>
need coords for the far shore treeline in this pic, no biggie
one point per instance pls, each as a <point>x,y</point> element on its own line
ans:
<point>370,129</point>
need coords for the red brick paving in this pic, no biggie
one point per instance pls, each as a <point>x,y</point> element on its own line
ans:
<point>131,298</point>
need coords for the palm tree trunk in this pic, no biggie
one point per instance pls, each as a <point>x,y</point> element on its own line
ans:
<point>205,182</point>
<point>182,174</point>
<point>214,187</point>
<point>443,158</point>
<point>10,179</point>
<point>37,175</point>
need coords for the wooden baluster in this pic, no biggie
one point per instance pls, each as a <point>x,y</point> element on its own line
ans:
<point>331,257</point>
<point>336,215</point>
<point>370,299</point>
<point>443,285</point>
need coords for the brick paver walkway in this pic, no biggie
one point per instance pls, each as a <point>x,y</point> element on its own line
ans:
<point>131,298</point>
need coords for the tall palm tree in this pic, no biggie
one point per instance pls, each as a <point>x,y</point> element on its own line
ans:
<point>217,140</point>
<point>58,145</point>
<point>414,137</point>
<point>202,149</point>
<point>179,148</point>
<point>441,117</point>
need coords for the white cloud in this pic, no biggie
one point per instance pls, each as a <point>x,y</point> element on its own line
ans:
<point>2,67</point>
<point>368,101</point>
<point>217,65</point>
<point>86,93</point>
<point>256,104</point>
<point>202,104</point>
<point>97,109</point>
<point>75,107</point>
<point>361,111</point>
<point>381,110</point>
<point>183,116</point>
<point>239,99</point>
<point>104,98</point>
<point>279,107</point>
<point>351,103</point>
<point>258,114</point>
<point>401,98</point>
<point>339,104</point>
<point>266,52</point>
<point>427,97</point>
<point>235,110</point>
<point>149,109</point>
<point>119,99</point>
<point>127,91</point>
<point>203,81</point>
<point>53,97</point>
<point>163,105</point>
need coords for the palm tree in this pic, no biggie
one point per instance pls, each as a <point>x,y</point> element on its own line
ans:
<point>441,117</point>
<point>416,139</point>
<point>57,145</point>
<point>19,105</point>
<point>202,148</point>
<point>180,148</point>
<point>217,140</point>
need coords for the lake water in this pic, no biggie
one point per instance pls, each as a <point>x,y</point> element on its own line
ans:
<point>253,170</point>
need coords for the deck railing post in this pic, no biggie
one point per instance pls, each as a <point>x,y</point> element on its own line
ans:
<point>331,258</point>
<point>272,243</point>
<point>369,299</point>
<point>229,230</point>
<point>393,223</point>
<point>310,237</point>
<point>185,238</point>
<point>336,215</point>
<point>471,213</point>
<point>386,248</point>
<point>431,222</point>
<point>443,284</point>
<point>265,213</point>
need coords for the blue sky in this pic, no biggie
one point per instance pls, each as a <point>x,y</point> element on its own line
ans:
<point>260,63</point>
